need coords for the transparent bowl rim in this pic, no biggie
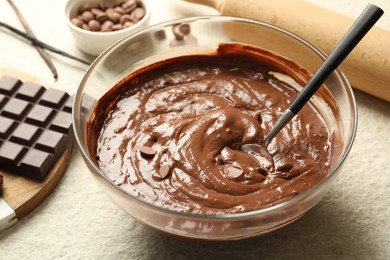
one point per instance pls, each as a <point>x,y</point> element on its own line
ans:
<point>219,18</point>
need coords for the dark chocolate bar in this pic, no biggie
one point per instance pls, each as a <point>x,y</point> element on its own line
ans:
<point>35,127</point>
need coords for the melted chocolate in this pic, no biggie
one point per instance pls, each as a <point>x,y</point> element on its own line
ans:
<point>171,134</point>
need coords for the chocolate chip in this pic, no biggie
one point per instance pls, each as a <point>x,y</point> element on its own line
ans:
<point>86,16</point>
<point>108,4</point>
<point>106,26</point>
<point>284,167</point>
<point>117,27</point>
<point>78,22</point>
<point>181,30</point>
<point>129,5</point>
<point>109,10</point>
<point>185,28</point>
<point>189,39</point>
<point>115,16</point>
<point>1,180</point>
<point>120,10</point>
<point>164,171</point>
<point>97,11</point>
<point>179,35</point>
<point>147,152</point>
<point>87,7</point>
<point>233,172</point>
<point>182,35</point>
<point>94,26</point>
<point>139,13</point>
<point>84,7</point>
<point>262,171</point>
<point>125,18</point>
<point>102,17</point>
<point>128,24</point>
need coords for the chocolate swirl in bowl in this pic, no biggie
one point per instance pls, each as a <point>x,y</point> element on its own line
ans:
<point>171,134</point>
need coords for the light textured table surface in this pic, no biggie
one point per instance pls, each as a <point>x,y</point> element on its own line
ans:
<point>77,221</point>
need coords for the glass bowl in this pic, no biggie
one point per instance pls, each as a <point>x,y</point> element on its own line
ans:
<point>157,43</point>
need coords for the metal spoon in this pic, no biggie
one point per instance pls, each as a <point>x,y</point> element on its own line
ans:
<point>362,25</point>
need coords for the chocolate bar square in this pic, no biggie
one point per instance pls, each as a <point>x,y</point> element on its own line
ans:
<point>40,115</point>
<point>37,163</point>
<point>6,126</point>
<point>15,108</point>
<point>30,91</point>
<point>8,85</point>
<point>25,134</point>
<point>54,98</point>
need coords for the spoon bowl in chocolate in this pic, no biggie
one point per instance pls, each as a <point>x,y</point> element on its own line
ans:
<point>358,30</point>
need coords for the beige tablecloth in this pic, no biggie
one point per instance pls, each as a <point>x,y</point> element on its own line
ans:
<point>77,221</point>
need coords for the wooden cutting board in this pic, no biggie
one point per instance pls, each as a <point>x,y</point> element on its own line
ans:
<point>20,195</point>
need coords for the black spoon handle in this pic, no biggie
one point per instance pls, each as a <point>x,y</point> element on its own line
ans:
<point>358,30</point>
<point>362,25</point>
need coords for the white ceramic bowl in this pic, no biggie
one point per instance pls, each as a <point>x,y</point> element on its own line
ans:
<point>95,43</point>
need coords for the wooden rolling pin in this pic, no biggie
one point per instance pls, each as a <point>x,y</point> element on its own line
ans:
<point>367,67</point>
